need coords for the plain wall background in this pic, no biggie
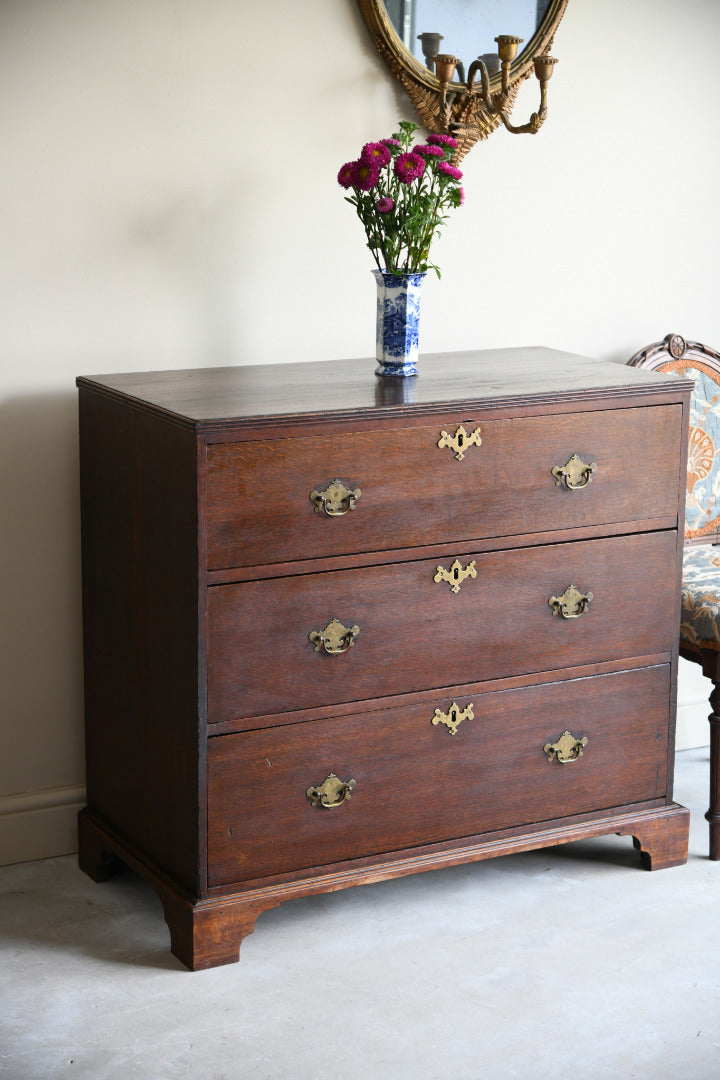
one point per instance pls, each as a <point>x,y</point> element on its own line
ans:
<point>168,198</point>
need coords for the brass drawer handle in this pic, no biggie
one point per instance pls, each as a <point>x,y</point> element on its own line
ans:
<point>565,749</point>
<point>575,474</point>
<point>453,717</point>
<point>456,574</point>
<point>460,441</point>
<point>331,793</point>
<point>571,604</point>
<point>335,638</point>
<point>336,500</point>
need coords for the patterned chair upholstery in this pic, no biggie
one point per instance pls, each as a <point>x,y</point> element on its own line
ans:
<point>700,613</point>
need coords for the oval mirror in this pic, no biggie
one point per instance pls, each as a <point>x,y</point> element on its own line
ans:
<point>461,62</point>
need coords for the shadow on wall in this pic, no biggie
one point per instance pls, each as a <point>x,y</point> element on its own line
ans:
<point>40,648</point>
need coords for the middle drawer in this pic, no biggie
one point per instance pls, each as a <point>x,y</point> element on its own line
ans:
<point>320,639</point>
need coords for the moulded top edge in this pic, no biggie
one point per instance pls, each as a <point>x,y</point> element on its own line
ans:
<point>206,396</point>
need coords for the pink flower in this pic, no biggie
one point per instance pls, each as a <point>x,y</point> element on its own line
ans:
<point>391,142</point>
<point>450,170</point>
<point>345,176</point>
<point>384,205</point>
<point>408,167</point>
<point>365,175</point>
<point>442,140</point>
<point>462,196</point>
<point>375,151</point>
<point>429,151</point>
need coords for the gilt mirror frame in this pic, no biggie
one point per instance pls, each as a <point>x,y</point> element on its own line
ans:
<point>472,121</point>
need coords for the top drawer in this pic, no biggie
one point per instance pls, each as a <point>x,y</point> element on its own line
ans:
<point>414,492</point>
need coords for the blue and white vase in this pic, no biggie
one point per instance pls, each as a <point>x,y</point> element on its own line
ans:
<point>398,318</point>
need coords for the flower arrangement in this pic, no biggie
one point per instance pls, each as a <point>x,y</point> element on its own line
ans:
<point>401,194</point>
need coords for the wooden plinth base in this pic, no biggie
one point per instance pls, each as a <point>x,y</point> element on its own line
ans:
<point>206,933</point>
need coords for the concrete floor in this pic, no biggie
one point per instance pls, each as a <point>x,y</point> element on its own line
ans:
<point>565,964</point>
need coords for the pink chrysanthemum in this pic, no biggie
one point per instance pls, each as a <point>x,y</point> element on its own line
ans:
<point>391,142</point>
<point>408,167</point>
<point>429,151</point>
<point>442,140</point>
<point>450,170</point>
<point>365,175</point>
<point>462,196</point>
<point>384,205</point>
<point>345,176</point>
<point>375,151</point>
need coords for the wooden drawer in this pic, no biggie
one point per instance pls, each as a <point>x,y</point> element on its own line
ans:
<point>413,492</point>
<point>416,634</point>
<point>416,783</point>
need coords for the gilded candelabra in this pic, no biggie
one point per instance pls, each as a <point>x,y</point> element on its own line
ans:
<point>445,100</point>
<point>466,111</point>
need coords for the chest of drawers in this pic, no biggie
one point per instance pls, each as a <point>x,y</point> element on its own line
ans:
<point>339,629</point>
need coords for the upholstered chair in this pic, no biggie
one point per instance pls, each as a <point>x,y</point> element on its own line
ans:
<point>700,618</point>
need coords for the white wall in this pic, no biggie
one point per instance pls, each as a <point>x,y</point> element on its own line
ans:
<point>168,199</point>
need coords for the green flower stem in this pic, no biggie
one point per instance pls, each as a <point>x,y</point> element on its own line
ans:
<point>400,239</point>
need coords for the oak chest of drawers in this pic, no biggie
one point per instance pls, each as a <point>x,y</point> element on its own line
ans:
<point>340,628</point>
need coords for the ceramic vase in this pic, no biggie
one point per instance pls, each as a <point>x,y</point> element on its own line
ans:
<point>398,317</point>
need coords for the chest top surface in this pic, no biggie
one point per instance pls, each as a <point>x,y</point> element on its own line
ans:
<point>200,397</point>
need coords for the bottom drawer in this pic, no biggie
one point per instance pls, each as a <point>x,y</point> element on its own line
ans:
<point>417,783</point>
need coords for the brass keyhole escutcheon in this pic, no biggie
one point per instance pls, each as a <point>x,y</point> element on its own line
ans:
<point>460,441</point>
<point>331,793</point>
<point>571,604</point>
<point>336,500</point>
<point>335,638</point>
<point>453,717</point>
<point>456,574</point>
<point>565,749</point>
<point>575,474</point>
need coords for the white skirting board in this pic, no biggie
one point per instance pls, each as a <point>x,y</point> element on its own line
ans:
<point>693,707</point>
<point>39,825</point>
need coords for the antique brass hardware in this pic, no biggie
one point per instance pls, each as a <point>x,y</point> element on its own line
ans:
<point>571,604</point>
<point>456,574</point>
<point>335,638</point>
<point>567,748</point>
<point>331,793</point>
<point>460,441</point>
<point>336,499</point>
<point>575,474</point>
<point>453,717</point>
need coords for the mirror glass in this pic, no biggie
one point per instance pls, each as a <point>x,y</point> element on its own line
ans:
<point>468,27</point>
